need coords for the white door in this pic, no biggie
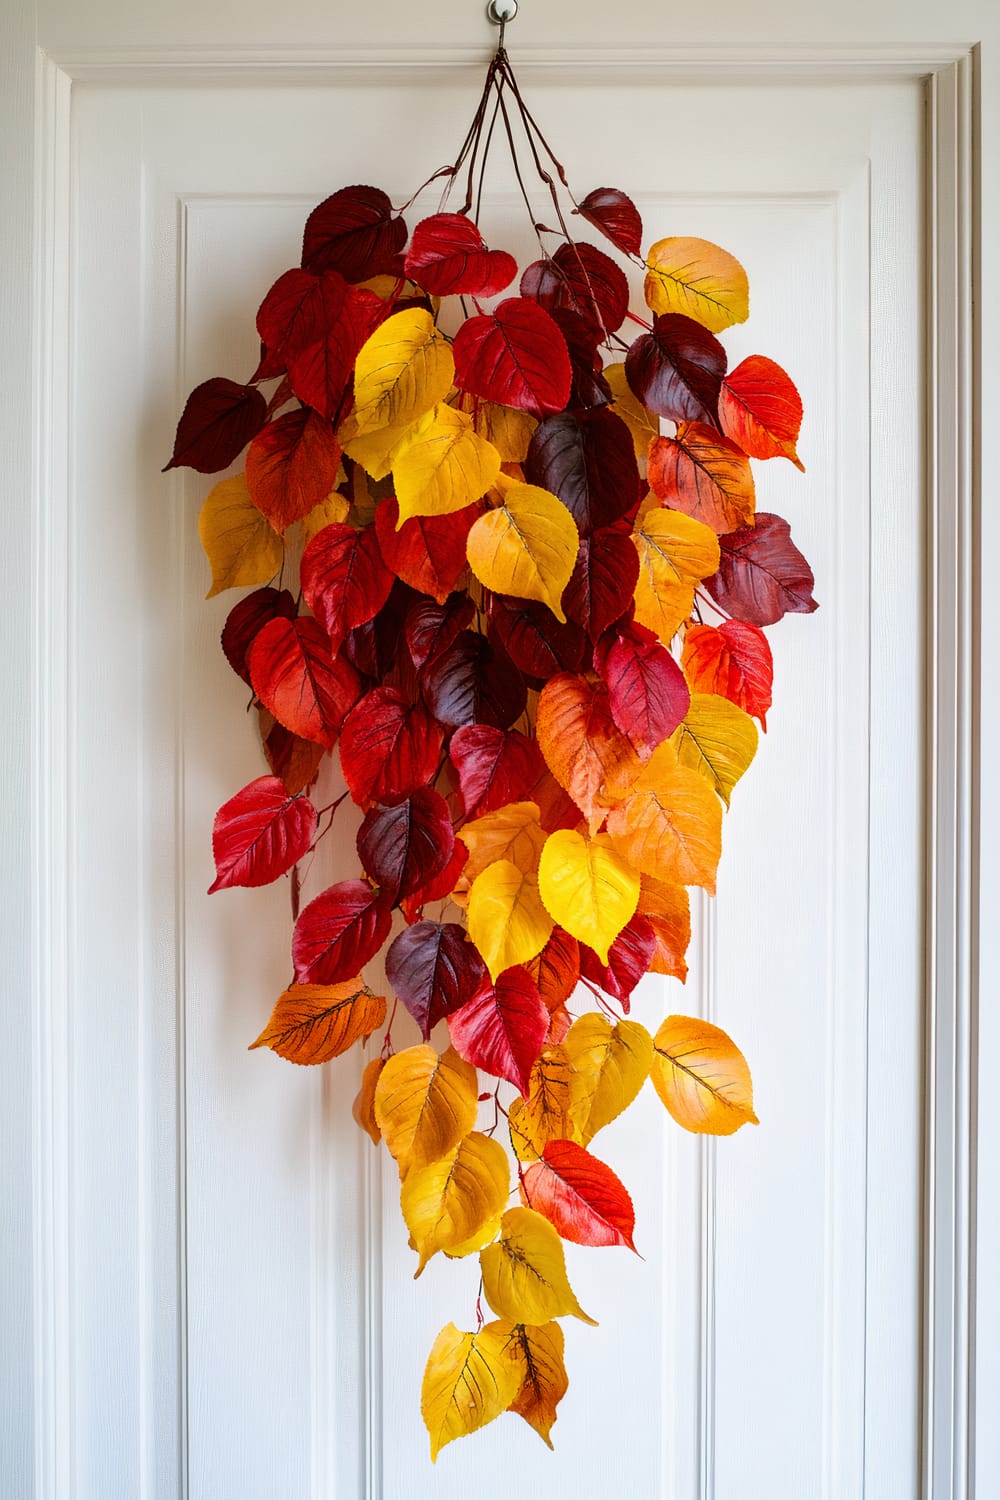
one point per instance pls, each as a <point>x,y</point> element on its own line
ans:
<point>235,1302</point>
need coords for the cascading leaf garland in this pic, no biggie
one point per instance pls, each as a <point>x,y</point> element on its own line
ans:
<point>532,586</point>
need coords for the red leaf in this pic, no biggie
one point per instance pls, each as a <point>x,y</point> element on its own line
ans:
<point>448,254</point>
<point>471,683</point>
<point>291,466</point>
<point>339,932</point>
<point>344,580</point>
<point>247,618</point>
<point>533,638</point>
<point>408,845</point>
<point>615,215</point>
<point>260,834</point>
<point>603,582</point>
<point>580,279</point>
<point>516,356</point>
<point>434,969</point>
<point>438,888</point>
<point>677,370</point>
<point>388,747</point>
<point>299,682</point>
<point>762,574</point>
<point>733,661</point>
<point>588,460</point>
<point>335,321</point>
<point>589,387</point>
<point>646,688</point>
<point>629,958</point>
<point>431,628</point>
<point>217,422</point>
<point>761,410</point>
<point>502,1028</point>
<point>494,767</point>
<point>354,232</point>
<point>427,552</point>
<point>294,760</point>
<point>287,316</point>
<point>581,1196</point>
<point>556,970</point>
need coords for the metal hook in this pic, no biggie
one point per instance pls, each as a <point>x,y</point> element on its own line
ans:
<point>499,12</point>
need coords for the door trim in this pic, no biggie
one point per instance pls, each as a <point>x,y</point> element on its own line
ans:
<point>953,692</point>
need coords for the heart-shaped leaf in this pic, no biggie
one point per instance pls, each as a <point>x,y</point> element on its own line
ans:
<point>615,215</point>
<point>762,574</point>
<point>761,409</point>
<point>716,739</point>
<point>355,232</point>
<point>434,969</point>
<point>580,279</point>
<point>588,888</point>
<point>526,547</point>
<point>588,461</point>
<point>424,1105</point>
<point>580,1196</point>
<point>604,579</point>
<point>471,683</point>
<point>260,834</point>
<point>442,465</point>
<point>609,1065</point>
<point>704,475</point>
<point>218,420</point>
<point>676,370</point>
<point>675,553</point>
<point>733,660</point>
<point>344,580</point>
<point>469,1380</point>
<point>671,825</point>
<point>403,369</point>
<point>241,547</point>
<point>406,846</point>
<point>339,932</point>
<point>698,279</point>
<point>292,465</point>
<point>388,747</point>
<point>502,1028</point>
<point>583,747</point>
<point>536,642</point>
<point>524,1273</point>
<point>311,1023</point>
<point>516,356</point>
<point>508,921</point>
<point>647,693</point>
<point>494,766</point>
<point>452,1201</point>
<point>299,682</point>
<point>427,552</point>
<point>448,255</point>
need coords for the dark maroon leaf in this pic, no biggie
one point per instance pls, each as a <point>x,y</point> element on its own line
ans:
<point>516,356</point>
<point>580,279</point>
<point>431,628</point>
<point>677,370</point>
<point>437,889</point>
<point>388,747</point>
<point>647,691</point>
<point>588,460</point>
<point>434,969</point>
<point>448,254</point>
<point>296,761</point>
<point>339,932</point>
<point>406,846</point>
<point>344,580</point>
<point>603,583</point>
<point>494,767</point>
<point>589,388</point>
<point>356,233</point>
<point>762,574</point>
<point>629,959</point>
<point>533,638</point>
<point>217,422</point>
<point>260,834</point>
<point>615,215</point>
<point>247,618</point>
<point>286,317</point>
<point>502,1028</point>
<point>471,683</point>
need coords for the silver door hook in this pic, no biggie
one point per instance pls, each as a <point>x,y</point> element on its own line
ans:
<point>499,12</point>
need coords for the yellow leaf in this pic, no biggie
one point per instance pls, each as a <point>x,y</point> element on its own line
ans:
<point>524,1273</point>
<point>512,832</point>
<point>425,1104</point>
<point>639,420</point>
<point>363,1108</point>
<point>482,1237</point>
<point>335,508</point>
<point>609,1065</point>
<point>507,428</point>
<point>675,553</point>
<point>451,1201</point>
<point>671,825</point>
<point>403,370</point>
<point>698,279</point>
<point>527,547</point>
<point>702,1077</point>
<point>442,465</point>
<point>241,546</point>
<point>374,451</point>
<point>507,921</point>
<point>540,1351</point>
<point>717,739</point>
<point>313,1022</point>
<point>470,1378</point>
<point>588,888</point>
<point>545,1115</point>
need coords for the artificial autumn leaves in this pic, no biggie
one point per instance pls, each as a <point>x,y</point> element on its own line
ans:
<point>532,586</point>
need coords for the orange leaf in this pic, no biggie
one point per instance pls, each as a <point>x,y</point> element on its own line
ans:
<point>545,1115</point>
<point>313,1022</point>
<point>761,410</point>
<point>671,825</point>
<point>702,1077</point>
<point>704,475</point>
<point>583,747</point>
<point>363,1108</point>
<point>733,661</point>
<point>667,909</point>
<point>540,1351</point>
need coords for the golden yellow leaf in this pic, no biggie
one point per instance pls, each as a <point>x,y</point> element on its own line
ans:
<point>507,428</point>
<point>671,825</point>
<point>482,1237</point>
<point>425,1104</point>
<point>675,553</point>
<point>609,1066</point>
<point>702,1077</point>
<point>374,451</point>
<point>470,1378</point>
<point>527,547</point>
<point>442,465</point>
<point>717,739</point>
<point>242,548</point>
<point>698,279</point>
<point>588,887</point>
<point>363,1108</point>
<point>507,921</point>
<point>545,1383</point>
<point>451,1201</point>
<point>639,420</point>
<point>545,1115</point>
<point>335,508</point>
<point>512,832</point>
<point>311,1023</point>
<point>524,1273</point>
<point>403,370</point>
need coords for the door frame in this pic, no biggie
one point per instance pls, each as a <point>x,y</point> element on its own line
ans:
<point>953,704</point>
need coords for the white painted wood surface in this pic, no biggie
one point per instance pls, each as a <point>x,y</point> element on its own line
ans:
<point>239,1336</point>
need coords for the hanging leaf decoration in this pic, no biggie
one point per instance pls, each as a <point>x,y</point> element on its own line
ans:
<point>503,560</point>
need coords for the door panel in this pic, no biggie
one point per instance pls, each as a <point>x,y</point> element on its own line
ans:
<point>242,1300</point>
